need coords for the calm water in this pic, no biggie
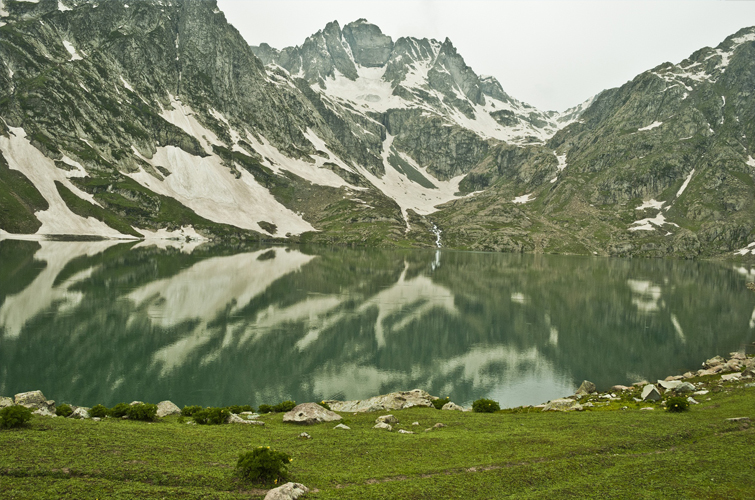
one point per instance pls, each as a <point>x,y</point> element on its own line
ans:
<point>103,322</point>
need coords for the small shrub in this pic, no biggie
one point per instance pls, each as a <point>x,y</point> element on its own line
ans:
<point>263,465</point>
<point>677,404</point>
<point>238,409</point>
<point>145,412</point>
<point>438,403</point>
<point>265,409</point>
<point>284,406</point>
<point>99,411</point>
<point>14,416</point>
<point>211,416</point>
<point>188,411</point>
<point>119,410</point>
<point>63,410</point>
<point>485,406</point>
<point>324,405</point>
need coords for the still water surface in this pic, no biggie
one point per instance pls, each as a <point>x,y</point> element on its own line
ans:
<point>105,322</point>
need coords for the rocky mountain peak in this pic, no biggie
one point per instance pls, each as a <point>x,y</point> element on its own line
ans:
<point>369,46</point>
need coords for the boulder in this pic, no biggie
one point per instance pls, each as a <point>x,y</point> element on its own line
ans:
<point>305,435</point>
<point>79,412</point>
<point>288,491</point>
<point>134,403</point>
<point>692,400</point>
<point>31,399</point>
<point>249,415</point>
<point>714,361</point>
<point>386,419</point>
<point>342,427</point>
<point>403,431</point>
<point>650,393</point>
<point>235,419</point>
<point>738,355</point>
<point>415,423</point>
<point>688,375</point>
<point>731,376</point>
<point>165,408</point>
<point>6,402</point>
<point>436,426</point>
<point>452,406</point>
<point>563,404</point>
<point>685,387</point>
<point>587,387</point>
<point>669,385</point>
<point>310,413</point>
<point>382,425</point>
<point>674,377</point>
<point>647,408</point>
<point>44,412</point>
<point>386,402</point>
<point>620,388</point>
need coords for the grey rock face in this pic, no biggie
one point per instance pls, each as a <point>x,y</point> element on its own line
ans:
<point>391,401</point>
<point>310,413</point>
<point>371,48</point>
<point>31,399</point>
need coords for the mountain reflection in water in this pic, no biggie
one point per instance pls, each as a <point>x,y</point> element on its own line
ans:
<point>104,322</point>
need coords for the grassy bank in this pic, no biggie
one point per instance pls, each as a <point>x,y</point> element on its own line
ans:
<point>603,452</point>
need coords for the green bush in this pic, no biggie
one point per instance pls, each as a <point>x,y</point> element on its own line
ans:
<point>324,405</point>
<point>238,409</point>
<point>99,411</point>
<point>119,410</point>
<point>145,412</point>
<point>438,403</point>
<point>211,416</point>
<point>485,406</point>
<point>188,411</point>
<point>263,465</point>
<point>284,406</point>
<point>677,404</point>
<point>14,416</point>
<point>265,409</point>
<point>63,410</point>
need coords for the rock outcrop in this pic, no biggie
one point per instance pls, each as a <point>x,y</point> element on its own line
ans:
<point>310,413</point>
<point>392,401</point>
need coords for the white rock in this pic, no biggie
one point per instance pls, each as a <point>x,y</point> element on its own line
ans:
<point>235,419</point>
<point>80,412</point>
<point>310,413</point>
<point>692,401</point>
<point>165,408</point>
<point>342,427</point>
<point>650,393</point>
<point>415,423</point>
<point>383,425</point>
<point>731,376</point>
<point>305,435</point>
<point>402,431</point>
<point>685,387</point>
<point>452,406</point>
<point>392,401</point>
<point>45,412</point>
<point>5,402</point>
<point>715,361</point>
<point>700,393</point>
<point>647,408</point>
<point>564,404</point>
<point>31,399</point>
<point>669,384</point>
<point>386,419</point>
<point>288,491</point>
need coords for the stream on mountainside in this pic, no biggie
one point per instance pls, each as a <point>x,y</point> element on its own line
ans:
<point>106,322</point>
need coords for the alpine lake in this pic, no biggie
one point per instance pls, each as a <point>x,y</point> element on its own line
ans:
<point>109,322</point>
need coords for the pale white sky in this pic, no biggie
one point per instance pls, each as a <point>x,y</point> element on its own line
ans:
<point>552,54</point>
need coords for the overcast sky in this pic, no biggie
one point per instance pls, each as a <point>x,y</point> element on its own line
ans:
<point>552,54</point>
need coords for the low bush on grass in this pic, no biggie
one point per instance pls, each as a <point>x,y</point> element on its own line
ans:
<point>240,408</point>
<point>438,403</point>
<point>485,406</point>
<point>14,416</point>
<point>677,404</point>
<point>120,410</point>
<point>263,465</point>
<point>99,411</point>
<point>324,405</point>
<point>63,410</point>
<point>188,411</point>
<point>211,416</point>
<point>145,412</point>
<point>284,406</point>
<point>265,409</point>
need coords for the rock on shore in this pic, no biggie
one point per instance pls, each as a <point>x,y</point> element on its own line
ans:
<point>392,401</point>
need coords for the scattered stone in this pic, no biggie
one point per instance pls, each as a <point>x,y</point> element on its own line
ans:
<point>738,355</point>
<point>641,383</point>
<point>44,412</point>
<point>714,361</point>
<point>688,375</point>
<point>669,384</point>
<point>650,393</point>
<point>80,412</point>
<point>386,419</point>
<point>620,388</point>
<point>541,405</point>
<point>96,419</point>
<point>134,403</point>
<point>700,393</point>
<point>452,406</point>
<point>587,387</point>
<point>289,491</point>
<point>165,408</point>
<point>564,404</point>
<point>685,387</point>
<point>588,405</point>
<point>383,425</point>
<point>731,376</point>
<point>249,415</point>
<point>638,400</point>
<point>310,413</point>
<point>386,402</point>
<point>190,422</point>
<point>738,419</point>
<point>415,423</point>
<point>673,377</point>
<point>342,427</point>
<point>402,431</point>
<point>305,435</point>
<point>748,373</point>
<point>236,419</point>
<point>647,408</point>
<point>692,401</point>
<point>439,425</point>
<point>5,402</point>
<point>32,399</point>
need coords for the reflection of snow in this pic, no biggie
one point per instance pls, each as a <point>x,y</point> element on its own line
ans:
<point>678,329</point>
<point>645,295</point>
<point>42,293</point>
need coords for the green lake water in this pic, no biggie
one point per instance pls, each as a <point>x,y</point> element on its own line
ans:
<point>106,322</point>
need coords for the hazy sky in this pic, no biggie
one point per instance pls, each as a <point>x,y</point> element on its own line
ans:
<point>552,54</point>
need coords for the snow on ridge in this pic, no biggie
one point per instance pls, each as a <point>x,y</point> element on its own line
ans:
<point>72,50</point>
<point>126,84</point>
<point>648,223</point>
<point>519,200</point>
<point>653,125</point>
<point>651,204</point>
<point>751,161</point>
<point>746,250</point>
<point>61,7</point>
<point>3,12</point>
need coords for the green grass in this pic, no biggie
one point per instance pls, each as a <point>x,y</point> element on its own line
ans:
<point>512,453</point>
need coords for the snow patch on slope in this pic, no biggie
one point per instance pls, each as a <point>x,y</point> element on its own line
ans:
<point>72,50</point>
<point>213,192</point>
<point>183,117</point>
<point>519,200</point>
<point>61,7</point>
<point>748,249</point>
<point>185,239</point>
<point>686,183</point>
<point>651,126</point>
<point>651,204</point>
<point>649,223</point>
<point>58,219</point>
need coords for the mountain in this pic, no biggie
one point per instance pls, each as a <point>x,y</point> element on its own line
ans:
<point>155,119</point>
